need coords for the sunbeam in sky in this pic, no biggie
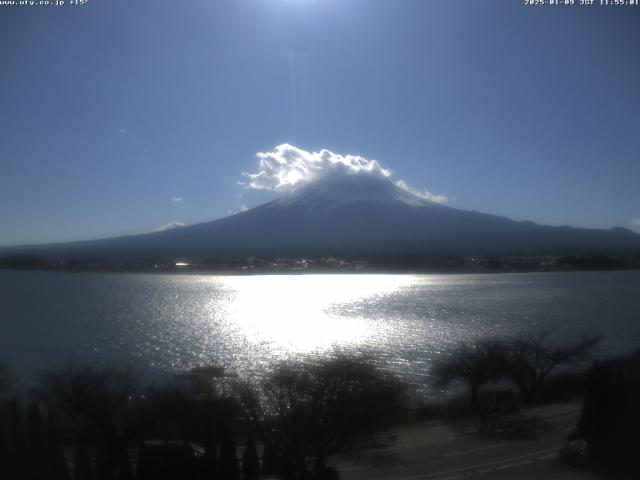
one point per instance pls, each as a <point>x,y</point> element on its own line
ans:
<point>455,102</point>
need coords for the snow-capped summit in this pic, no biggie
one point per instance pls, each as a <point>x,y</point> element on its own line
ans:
<point>340,189</point>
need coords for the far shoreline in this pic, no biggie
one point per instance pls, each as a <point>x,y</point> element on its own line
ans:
<point>237,273</point>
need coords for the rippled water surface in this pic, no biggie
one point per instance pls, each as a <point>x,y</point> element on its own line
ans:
<point>248,323</point>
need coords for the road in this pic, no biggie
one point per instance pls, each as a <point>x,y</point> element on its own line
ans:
<point>522,446</point>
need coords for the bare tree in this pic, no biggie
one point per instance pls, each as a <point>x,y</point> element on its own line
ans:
<point>533,358</point>
<point>320,409</point>
<point>104,404</point>
<point>474,365</point>
<point>527,361</point>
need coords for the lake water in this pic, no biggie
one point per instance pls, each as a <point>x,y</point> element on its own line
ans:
<point>248,323</point>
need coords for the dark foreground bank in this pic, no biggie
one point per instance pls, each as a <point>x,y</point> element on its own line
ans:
<point>102,422</point>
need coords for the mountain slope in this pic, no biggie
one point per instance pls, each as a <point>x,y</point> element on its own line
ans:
<point>350,215</point>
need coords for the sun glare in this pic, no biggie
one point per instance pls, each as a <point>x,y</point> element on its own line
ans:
<point>293,313</point>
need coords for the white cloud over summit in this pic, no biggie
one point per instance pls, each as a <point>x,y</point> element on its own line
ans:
<point>286,168</point>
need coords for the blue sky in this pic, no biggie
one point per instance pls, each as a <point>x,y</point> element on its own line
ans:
<point>113,111</point>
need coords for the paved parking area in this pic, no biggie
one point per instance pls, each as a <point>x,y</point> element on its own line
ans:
<point>518,446</point>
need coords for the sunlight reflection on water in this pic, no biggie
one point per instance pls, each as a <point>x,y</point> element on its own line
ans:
<point>293,313</point>
<point>248,323</point>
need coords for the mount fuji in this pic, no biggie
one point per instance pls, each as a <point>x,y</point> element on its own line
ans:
<point>351,215</point>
